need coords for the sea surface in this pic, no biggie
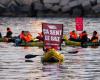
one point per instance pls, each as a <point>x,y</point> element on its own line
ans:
<point>84,65</point>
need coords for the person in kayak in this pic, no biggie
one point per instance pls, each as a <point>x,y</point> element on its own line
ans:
<point>19,40</point>
<point>40,36</point>
<point>26,36</point>
<point>73,36</point>
<point>84,37</point>
<point>8,37</point>
<point>95,37</point>
<point>9,33</point>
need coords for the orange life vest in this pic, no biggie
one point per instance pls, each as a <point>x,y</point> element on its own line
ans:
<point>27,38</point>
<point>73,35</point>
<point>82,35</point>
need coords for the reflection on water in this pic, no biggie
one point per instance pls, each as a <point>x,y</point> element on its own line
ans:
<point>84,65</point>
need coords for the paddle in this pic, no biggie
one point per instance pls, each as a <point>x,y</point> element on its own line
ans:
<point>73,51</point>
<point>31,56</point>
<point>28,60</point>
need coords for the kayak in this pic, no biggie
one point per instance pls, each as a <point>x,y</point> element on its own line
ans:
<point>52,56</point>
<point>1,39</point>
<point>7,39</point>
<point>31,44</point>
<point>85,44</point>
<point>70,43</point>
<point>73,43</point>
<point>91,44</point>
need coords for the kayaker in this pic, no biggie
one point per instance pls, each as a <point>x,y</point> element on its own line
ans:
<point>26,36</point>
<point>8,37</point>
<point>73,36</point>
<point>9,33</point>
<point>84,37</point>
<point>21,35</point>
<point>94,37</point>
<point>40,36</point>
<point>19,39</point>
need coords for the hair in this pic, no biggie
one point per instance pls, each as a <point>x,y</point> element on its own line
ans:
<point>84,32</point>
<point>22,32</point>
<point>8,28</point>
<point>73,31</point>
<point>95,32</point>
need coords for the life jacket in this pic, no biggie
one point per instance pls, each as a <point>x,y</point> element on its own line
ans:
<point>73,35</point>
<point>83,35</point>
<point>30,36</point>
<point>27,38</point>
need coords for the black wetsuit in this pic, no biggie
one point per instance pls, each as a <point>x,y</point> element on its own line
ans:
<point>84,40</point>
<point>9,34</point>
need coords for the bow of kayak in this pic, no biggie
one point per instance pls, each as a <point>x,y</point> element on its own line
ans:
<point>52,56</point>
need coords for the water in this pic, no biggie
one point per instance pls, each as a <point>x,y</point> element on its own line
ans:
<point>84,65</point>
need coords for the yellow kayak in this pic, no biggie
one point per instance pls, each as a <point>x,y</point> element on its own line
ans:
<point>52,56</point>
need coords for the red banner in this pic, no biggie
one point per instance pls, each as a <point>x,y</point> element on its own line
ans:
<point>52,35</point>
<point>79,24</point>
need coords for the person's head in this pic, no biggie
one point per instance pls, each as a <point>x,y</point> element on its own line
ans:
<point>8,29</point>
<point>95,32</point>
<point>84,31</point>
<point>22,32</point>
<point>73,31</point>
